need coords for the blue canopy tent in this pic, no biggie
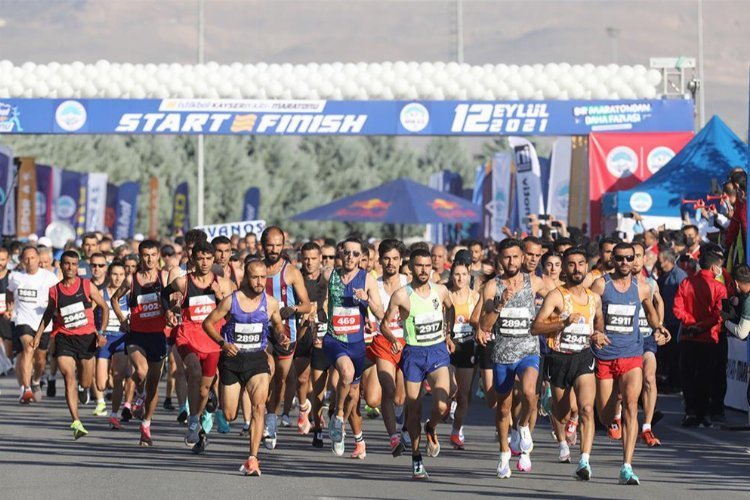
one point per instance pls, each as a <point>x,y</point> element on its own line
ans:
<point>402,201</point>
<point>711,154</point>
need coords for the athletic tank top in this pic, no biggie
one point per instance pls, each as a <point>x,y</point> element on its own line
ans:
<point>576,337</point>
<point>424,326</point>
<point>278,288</point>
<point>462,329</point>
<point>643,325</point>
<point>346,313</point>
<point>75,315</point>
<point>621,311</point>
<point>513,339</point>
<point>397,327</point>
<point>198,302</point>
<point>146,312</point>
<point>247,330</point>
<point>317,291</point>
<point>113,324</point>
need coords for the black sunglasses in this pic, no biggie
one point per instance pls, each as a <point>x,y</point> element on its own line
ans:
<point>98,265</point>
<point>352,253</point>
<point>620,258</point>
<point>329,257</point>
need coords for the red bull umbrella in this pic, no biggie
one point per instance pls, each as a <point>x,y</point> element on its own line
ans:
<point>402,201</point>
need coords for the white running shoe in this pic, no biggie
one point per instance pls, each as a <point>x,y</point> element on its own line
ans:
<point>525,442</point>
<point>515,442</point>
<point>503,466</point>
<point>271,428</point>
<point>524,463</point>
<point>564,457</point>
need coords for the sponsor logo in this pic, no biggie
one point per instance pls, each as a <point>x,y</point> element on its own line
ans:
<point>450,209</point>
<point>612,116</point>
<point>622,162</point>
<point>9,118</point>
<point>41,204</point>
<point>2,196</point>
<point>658,157</point>
<point>509,118</point>
<point>562,197</point>
<point>65,207</point>
<point>70,116</point>
<point>243,105</point>
<point>641,201</point>
<point>414,117</point>
<point>374,207</point>
<point>523,158</point>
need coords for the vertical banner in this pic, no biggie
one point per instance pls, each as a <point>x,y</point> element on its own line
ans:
<point>447,182</point>
<point>153,207</point>
<point>80,224</point>
<point>482,196</point>
<point>66,205</point>
<point>6,182</point>
<point>44,197</point>
<point>502,164</point>
<point>578,204</point>
<point>528,174</point>
<point>26,198</point>
<point>619,161</point>
<point>181,209</point>
<point>96,201</point>
<point>558,197</point>
<point>126,210</point>
<point>251,207</point>
<point>110,212</point>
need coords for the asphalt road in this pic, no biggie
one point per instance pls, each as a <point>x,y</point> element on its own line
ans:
<point>40,460</point>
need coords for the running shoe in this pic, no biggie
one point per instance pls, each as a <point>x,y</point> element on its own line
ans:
<point>433,445</point>
<point>269,441</point>
<point>503,466</point>
<point>405,438</point>
<point>545,402</point>
<point>26,397</point>
<point>571,432</point>
<point>212,402</point>
<point>167,405</point>
<point>457,442</point>
<point>526,443</point>
<point>51,388</point>
<point>78,430</point>
<point>126,415</point>
<point>627,476</point>
<point>371,412</point>
<point>83,396</point>
<point>251,467</point>
<point>137,407</point>
<point>564,457</point>
<point>336,433</point>
<point>285,421</point>
<point>583,471</point>
<point>417,469</point>
<point>397,446</point>
<point>524,463</point>
<point>183,416</point>
<point>360,451</point>
<point>317,441</point>
<point>690,421</point>
<point>207,421</point>
<point>303,420</point>
<point>100,410</point>
<point>221,423</point>
<point>200,446</point>
<point>452,412</point>
<point>146,436</point>
<point>650,439</point>
<point>245,431</point>
<point>515,442</point>
<point>615,429</point>
<point>36,391</point>
<point>192,435</point>
<point>114,423</point>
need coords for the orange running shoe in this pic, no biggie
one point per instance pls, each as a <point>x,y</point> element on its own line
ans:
<point>303,420</point>
<point>615,429</point>
<point>251,467</point>
<point>114,423</point>
<point>27,397</point>
<point>457,442</point>
<point>649,438</point>
<point>146,437</point>
<point>360,451</point>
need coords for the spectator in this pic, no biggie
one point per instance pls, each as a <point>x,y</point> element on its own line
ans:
<point>697,305</point>
<point>670,277</point>
<point>737,321</point>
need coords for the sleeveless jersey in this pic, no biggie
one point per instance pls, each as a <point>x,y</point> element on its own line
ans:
<point>146,312</point>
<point>346,313</point>
<point>576,337</point>
<point>196,306</point>
<point>621,311</point>
<point>643,325</point>
<point>75,314</point>
<point>247,330</point>
<point>278,288</point>
<point>317,291</point>
<point>513,339</point>
<point>397,327</point>
<point>424,326</point>
<point>462,329</point>
<point>113,325</point>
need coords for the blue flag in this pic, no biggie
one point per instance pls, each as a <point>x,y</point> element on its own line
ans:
<point>181,209</point>
<point>126,210</point>
<point>251,208</point>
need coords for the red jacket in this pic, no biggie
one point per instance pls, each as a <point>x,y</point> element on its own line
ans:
<point>738,224</point>
<point>697,304</point>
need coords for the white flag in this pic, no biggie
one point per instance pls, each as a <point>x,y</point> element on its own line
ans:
<point>528,179</point>
<point>501,171</point>
<point>558,198</point>
<point>96,201</point>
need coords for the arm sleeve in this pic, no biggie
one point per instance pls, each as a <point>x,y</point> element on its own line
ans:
<point>739,330</point>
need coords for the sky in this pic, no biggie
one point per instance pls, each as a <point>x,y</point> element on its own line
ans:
<point>301,31</point>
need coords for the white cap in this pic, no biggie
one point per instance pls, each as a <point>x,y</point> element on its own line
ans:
<point>139,237</point>
<point>118,243</point>
<point>44,241</point>
<point>33,237</point>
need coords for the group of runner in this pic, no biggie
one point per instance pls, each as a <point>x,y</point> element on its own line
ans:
<point>353,324</point>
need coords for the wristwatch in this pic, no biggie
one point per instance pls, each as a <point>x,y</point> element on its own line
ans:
<point>221,343</point>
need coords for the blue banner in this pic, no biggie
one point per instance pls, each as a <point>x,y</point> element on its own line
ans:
<point>6,182</point>
<point>110,213</point>
<point>251,208</point>
<point>44,198</point>
<point>311,117</point>
<point>67,208</point>
<point>181,209</point>
<point>127,210</point>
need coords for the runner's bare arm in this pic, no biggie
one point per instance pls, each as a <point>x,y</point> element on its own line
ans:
<point>300,292</point>
<point>489,314</point>
<point>449,317</point>
<point>276,322</point>
<point>538,286</point>
<point>598,337</point>
<point>96,298</point>
<point>9,304</point>
<point>542,325</point>
<point>652,316</point>
<point>395,305</point>
<point>115,301</point>
<point>598,286</point>
<point>373,297</point>
<point>659,304</point>
<point>216,315</point>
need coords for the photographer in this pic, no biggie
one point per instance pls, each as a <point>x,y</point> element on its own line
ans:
<point>737,314</point>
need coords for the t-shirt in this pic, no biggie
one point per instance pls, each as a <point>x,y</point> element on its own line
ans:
<point>746,308</point>
<point>30,296</point>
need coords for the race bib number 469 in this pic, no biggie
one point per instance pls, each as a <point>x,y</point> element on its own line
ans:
<point>346,320</point>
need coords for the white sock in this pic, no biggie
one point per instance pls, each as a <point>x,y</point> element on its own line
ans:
<point>646,427</point>
<point>100,400</point>
<point>146,424</point>
<point>564,446</point>
<point>618,415</point>
<point>585,456</point>
<point>626,465</point>
<point>504,457</point>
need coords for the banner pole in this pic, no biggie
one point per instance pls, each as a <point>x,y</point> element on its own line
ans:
<point>200,180</point>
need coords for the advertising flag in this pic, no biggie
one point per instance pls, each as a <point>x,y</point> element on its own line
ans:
<point>482,196</point>
<point>26,198</point>
<point>96,201</point>
<point>66,205</point>
<point>501,182</point>
<point>126,210</point>
<point>153,207</point>
<point>251,208</point>
<point>45,197</point>
<point>181,209</point>
<point>558,197</point>
<point>447,182</point>
<point>110,212</point>
<point>528,174</point>
<point>7,209</point>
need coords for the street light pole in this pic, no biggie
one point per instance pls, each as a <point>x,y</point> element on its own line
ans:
<point>702,87</point>
<point>201,173</point>
<point>459,31</point>
<point>614,35</point>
